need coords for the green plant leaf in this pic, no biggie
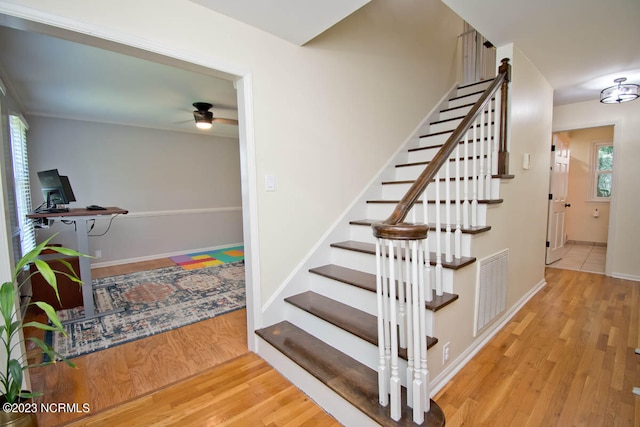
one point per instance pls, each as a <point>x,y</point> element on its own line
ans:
<point>32,254</point>
<point>45,270</point>
<point>30,395</point>
<point>51,314</point>
<point>66,251</point>
<point>41,326</point>
<point>49,351</point>
<point>7,301</point>
<point>15,380</point>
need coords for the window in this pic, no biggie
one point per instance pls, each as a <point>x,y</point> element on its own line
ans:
<point>18,132</point>
<point>602,171</point>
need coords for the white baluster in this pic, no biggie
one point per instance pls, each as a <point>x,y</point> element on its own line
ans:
<point>424,373</point>
<point>458,233</point>
<point>474,184</point>
<point>427,264</point>
<point>383,391</point>
<point>489,152</point>
<point>496,130</point>
<point>481,194</point>
<point>465,205</point>
<point>447,210</point>
<point>394,382</point>
<point>410,326</point>
<point>401,299</point>
<point>386,302</point>
<point>438,270</point>
<point>418,313</point>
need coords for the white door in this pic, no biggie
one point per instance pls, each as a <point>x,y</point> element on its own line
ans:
<point>559,183</point>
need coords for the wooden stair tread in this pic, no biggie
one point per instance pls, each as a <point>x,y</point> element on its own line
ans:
<point>470,230</point>
<point>370,248</point>
<point>426,162</point>
<point>357,322</point>
<point>482,201</point>
<point>430,147</point>
<point>367,281</point>
<point>353,381</point>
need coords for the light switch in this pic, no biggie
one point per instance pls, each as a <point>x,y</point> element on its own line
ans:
<point>270,183</point>
<point>526,161</point>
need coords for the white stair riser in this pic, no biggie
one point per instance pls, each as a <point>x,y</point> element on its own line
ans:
<point>463,100</point>
<point>367,263</point>
<point>445,126</point>
<point>398,190</point>
<point>354,296</point>
<point>430,140</point>
<point>457,112</point>
<point>412,172</point>
<point>452,123</point>
<point>362,233</point>
<point>473,88</point>
<point>384,210</point>
<point>428,153</point>
<point>359,349</point>
<point>351,295</point>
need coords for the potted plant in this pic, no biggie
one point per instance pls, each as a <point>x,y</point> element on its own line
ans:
<point>14,362</point>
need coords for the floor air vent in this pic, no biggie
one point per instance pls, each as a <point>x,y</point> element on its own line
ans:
<point>491,289</point>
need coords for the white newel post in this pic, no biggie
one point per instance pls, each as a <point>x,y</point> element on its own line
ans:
<point>402,262</point>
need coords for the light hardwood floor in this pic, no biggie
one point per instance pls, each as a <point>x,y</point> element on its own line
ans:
<point>176,364</point>
<point>567,358</point>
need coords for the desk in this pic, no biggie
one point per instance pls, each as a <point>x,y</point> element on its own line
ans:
<point>81,217</point>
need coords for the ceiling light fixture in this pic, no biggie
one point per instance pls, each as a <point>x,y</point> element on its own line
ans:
<point>620,92</point>
<point>202,115</point>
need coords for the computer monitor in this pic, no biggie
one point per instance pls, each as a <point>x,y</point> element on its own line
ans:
<point>56,190</point>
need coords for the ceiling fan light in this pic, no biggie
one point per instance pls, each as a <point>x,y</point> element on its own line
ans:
<point>620,93</point>
<point>204,119</point>
<point>204,125</point>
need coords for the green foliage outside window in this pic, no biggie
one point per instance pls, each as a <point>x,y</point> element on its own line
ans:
<point>604,168</point>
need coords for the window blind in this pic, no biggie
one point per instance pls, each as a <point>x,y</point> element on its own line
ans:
<point>22,206</point>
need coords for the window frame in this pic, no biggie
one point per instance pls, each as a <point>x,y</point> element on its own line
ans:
<point>595,172</point>
<point>21,182</point>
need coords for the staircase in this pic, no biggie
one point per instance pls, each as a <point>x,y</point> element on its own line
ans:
<point>332,324</point>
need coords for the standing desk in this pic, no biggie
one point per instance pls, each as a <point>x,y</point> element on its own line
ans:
<point>81,216</point>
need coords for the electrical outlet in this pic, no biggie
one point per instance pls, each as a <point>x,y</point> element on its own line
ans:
<point>98,253</point>
<point>445,353</point>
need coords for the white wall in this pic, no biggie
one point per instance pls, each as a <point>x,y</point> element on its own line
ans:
<point>623,249</point>
<point>182,190</point>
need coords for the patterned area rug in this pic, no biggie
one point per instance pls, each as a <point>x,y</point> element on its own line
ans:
<point>209,258</point>
<point>154,301</point>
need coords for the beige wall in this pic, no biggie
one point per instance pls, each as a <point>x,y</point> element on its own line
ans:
<point>519,223</point>
<point>327,116</point>
<point>581,224</point>
<point>624,235</point>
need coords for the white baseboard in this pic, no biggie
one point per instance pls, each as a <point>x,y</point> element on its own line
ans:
<point>157,256</point>
<point>456,365</point>
<point>626,276</point>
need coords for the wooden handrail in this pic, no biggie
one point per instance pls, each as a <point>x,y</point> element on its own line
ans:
<point>389,227</point>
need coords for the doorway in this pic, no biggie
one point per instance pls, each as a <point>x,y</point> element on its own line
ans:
<point>585,231</point>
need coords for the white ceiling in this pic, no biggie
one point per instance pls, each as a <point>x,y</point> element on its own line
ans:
<point>580,46</point>
<point>297,21</point>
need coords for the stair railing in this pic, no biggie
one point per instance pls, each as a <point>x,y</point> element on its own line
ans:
<point>477,152</point>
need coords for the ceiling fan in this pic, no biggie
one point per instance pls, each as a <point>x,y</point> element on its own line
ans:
<point>204,118</point>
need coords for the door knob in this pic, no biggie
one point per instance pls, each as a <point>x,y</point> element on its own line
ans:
<point>567,205</point>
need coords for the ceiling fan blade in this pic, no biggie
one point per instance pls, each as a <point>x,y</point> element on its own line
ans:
<point>225,121</point>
